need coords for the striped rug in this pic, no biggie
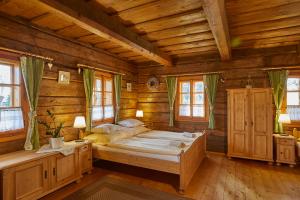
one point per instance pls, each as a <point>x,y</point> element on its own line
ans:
<point>113,189</point>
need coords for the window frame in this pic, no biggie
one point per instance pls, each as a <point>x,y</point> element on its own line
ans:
<point>16,134</point>
<point>284,108</point>
<point>103,77</point>
<point>191,118</point>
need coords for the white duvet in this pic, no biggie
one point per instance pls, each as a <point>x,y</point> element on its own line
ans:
<point>153,141</point>
<point>168,135</point>
<point>148,145</point>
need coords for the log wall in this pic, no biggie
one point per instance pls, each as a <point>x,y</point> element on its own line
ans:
<point>245,63</point>
<point>66,101</point>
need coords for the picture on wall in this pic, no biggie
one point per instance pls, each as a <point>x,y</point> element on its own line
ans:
<point>63,77</point>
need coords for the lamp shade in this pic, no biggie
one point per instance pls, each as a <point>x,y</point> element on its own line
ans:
<point>79,122</point>
<point>284,118</point>
<point>139,113</point>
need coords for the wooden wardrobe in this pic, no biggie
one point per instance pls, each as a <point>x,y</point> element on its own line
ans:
<point>250,123</point>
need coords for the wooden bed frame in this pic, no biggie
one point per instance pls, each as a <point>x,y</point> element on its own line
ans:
<point>190,161</point>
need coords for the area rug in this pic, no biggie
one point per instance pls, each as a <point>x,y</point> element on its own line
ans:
<point>113,189</point>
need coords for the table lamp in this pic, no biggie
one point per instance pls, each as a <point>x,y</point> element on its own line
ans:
<point>139,114</point>
<point>79,123</point>
<point>284,119</point>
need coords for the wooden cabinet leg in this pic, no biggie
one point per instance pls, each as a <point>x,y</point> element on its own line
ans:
<point>90,172</point>
<point>270,163</point>
<point>78,180</point>
<point>278,164</point>
<point>229,157</point>
<point>291,165</point>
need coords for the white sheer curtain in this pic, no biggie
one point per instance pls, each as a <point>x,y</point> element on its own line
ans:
<point>293,111</point>
<point>11,119</point>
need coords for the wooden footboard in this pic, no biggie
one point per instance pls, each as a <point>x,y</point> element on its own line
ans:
<point>190,161</point>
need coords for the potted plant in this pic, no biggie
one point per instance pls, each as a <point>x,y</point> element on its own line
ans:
<point>56,140</point>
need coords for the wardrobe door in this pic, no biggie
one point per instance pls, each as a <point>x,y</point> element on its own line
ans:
<point>261,123</point>
<point>238,135</point>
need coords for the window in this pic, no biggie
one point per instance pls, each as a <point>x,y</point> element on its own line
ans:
<point>293,98</point>
<point>191,102</point>
<point>103,104</point>
<point>11,117</point>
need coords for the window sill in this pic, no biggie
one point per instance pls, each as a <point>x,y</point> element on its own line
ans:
<point>12,135</point>
<point>204,120</point>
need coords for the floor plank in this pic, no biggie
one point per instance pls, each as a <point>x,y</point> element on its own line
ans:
<point>218,178</point>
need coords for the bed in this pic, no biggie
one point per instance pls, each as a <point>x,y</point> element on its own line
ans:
<point>151,149</point>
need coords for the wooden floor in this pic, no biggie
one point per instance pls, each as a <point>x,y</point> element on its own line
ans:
<point>217,178</point>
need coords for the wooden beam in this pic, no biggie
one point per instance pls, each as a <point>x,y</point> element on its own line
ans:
<point>216,17</point>
<point>89,16</point>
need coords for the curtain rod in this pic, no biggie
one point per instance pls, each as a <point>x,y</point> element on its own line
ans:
<point>26,53</point>
<point>193,74</point>
<point>97,69</point>
<point>291,67</point>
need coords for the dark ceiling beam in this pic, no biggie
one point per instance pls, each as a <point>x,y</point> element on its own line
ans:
<point>89,16</point>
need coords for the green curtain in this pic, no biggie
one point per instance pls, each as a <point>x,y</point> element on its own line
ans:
<point>88,80</point>
<point>118,88</point>
<point>211,83</point>
<point>172,87</point>
<point>32,70</point>
<point>278,81</point>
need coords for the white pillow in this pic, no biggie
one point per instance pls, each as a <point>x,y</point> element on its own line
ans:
<point>106,128</point>
<point>104,139</point>
<point>132,131</point>
<point>130,123</point>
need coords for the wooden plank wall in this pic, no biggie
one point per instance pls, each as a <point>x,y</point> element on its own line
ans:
<point>248,62</point>
<point>66,101</point>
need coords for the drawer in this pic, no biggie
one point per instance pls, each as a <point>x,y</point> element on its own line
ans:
<point>285,141</point>
<point>84,148</point>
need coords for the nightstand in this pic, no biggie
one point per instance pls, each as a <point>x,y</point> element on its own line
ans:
<point>285,147</point>
<point>85,156</point>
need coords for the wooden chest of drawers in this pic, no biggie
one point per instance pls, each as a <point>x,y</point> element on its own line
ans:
<point>285,149</point>
<point>30,175</point>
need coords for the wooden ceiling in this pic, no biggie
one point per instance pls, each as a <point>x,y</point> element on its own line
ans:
<point>161,30</point>
<point>263,23</point>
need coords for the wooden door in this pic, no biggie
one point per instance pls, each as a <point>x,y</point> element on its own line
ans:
<point>286,153</point>
<point>238,134</point>
<point>27,181</point>
<point>85,159</point>
<point>261,124</point>
<point>64,169</point>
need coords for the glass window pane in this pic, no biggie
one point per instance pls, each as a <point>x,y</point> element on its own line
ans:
<point>185,99</point>
<point>108,98</point>
<point>97,98</point>
<point>198,111</point>
<point>293,84</point>
<point>98,85</point>
<point>5,96</point>
<point>198,98</point>
<point>97,113</point>
<point>294,112</point>
<point>5,74</point>
<point>108,85</point>
<point>108,112</point>
<point>17,100</point>
<point>11,119</point>
<point>184,110</point>
<point>17,75</point>
<point>293,98</point>
<point>185,87</point>
<point>198,86</point>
